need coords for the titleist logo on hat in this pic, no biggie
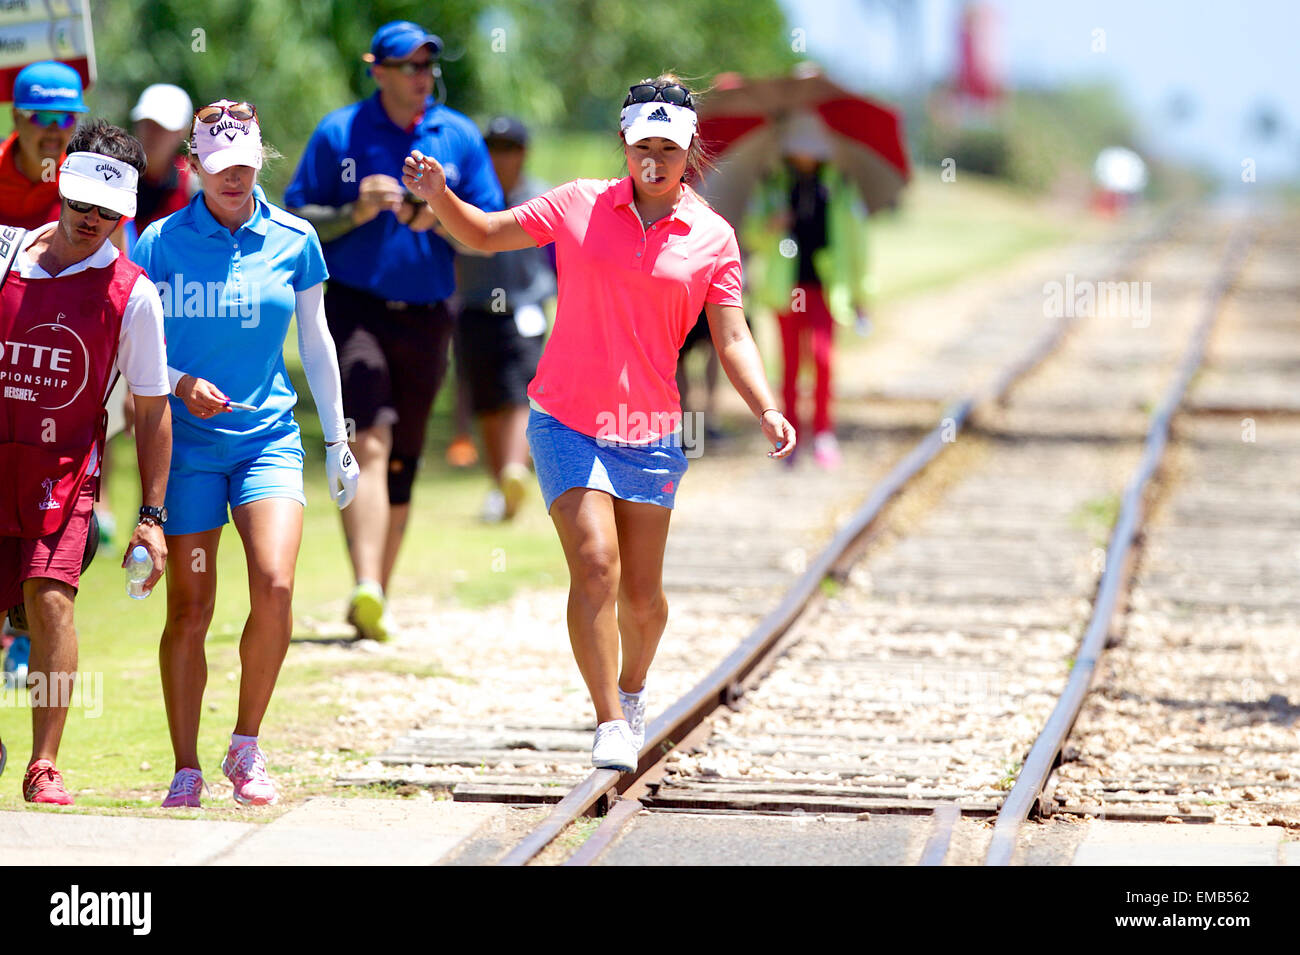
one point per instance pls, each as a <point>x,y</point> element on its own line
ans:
<point>60,91</point>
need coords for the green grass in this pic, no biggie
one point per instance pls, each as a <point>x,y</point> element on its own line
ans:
<point>1097,516</point>
<point>946,231</point>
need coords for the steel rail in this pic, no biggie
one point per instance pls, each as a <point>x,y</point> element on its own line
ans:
<point>1042,758</point>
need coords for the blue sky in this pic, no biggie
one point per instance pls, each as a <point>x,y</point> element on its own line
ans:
<point>1225,56</point>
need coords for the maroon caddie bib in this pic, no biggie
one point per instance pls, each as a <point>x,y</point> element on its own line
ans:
<point>58,345</point>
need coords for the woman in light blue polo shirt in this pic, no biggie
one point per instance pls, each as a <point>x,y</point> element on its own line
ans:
<point>232,270</point>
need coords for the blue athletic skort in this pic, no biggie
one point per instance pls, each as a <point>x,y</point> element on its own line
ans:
<point>642,473</point>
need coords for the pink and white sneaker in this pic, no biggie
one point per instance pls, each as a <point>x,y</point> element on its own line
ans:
<point>245,767</point>
<point>826,450</point>
<point>186,789</point>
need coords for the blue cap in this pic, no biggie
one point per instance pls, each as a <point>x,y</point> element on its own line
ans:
<point>401,38</point>
<point>49,85</point>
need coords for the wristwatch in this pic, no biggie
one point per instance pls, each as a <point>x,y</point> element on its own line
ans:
<point>155,515</point>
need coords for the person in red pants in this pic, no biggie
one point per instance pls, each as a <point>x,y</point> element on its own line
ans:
<point>808,327</point>
<point>815,268</point>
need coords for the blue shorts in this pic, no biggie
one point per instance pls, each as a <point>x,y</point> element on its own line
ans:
<point>205,479</point>
<point>564,458</point>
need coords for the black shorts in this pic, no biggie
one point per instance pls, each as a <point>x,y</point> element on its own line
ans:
<point>496,362</point>
<point>392,359</point>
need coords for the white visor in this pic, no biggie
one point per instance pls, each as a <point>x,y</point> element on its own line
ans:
<point>99,180</point>
<point>643,120</point>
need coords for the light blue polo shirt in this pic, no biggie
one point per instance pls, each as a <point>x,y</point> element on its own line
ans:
<point>227,303</point>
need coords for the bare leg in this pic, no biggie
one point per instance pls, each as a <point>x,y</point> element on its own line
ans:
<point>191,595</point>
<point>398,515</point>
<point>642,607</point>
<point>585,521</point>
<point>272,532</point>
<point>366,519</point>
<point>505,439</point>
<point>53,663</point>
<point>490,425</point>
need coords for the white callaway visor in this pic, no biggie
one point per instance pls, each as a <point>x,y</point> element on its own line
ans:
<point>99,180</point>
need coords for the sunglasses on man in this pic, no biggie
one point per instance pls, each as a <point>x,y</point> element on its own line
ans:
<point>648,93</point>
<point>49,117</point>
<point>409,68</point>
<point>81,208</point>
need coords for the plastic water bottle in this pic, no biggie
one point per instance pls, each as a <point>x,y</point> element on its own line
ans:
<point>138,569</point>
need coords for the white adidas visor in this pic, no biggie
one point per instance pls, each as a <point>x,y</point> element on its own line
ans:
<point>99,180</point>
<point>643,120</point>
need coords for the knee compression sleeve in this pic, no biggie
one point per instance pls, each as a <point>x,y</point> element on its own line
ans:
<point>401,476</point>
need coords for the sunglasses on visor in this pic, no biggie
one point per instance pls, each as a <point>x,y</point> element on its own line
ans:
<point>648,93</point>
<point>242,112</point>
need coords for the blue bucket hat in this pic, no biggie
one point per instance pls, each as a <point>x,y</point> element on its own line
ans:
<point>399,39</point>
<point>49,85</point>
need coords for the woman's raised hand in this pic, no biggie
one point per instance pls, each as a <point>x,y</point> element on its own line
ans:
<point>424,176</point>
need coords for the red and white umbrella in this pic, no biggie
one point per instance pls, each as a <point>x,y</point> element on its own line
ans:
<point>745,124</point>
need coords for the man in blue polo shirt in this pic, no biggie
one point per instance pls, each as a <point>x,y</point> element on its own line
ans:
<point>390,275</point>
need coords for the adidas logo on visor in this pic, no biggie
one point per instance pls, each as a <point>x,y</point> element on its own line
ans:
<point>659,114</point>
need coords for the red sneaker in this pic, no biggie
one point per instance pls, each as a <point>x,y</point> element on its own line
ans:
<point>44,783</point>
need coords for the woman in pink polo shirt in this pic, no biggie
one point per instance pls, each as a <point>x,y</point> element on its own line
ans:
<point>637,259</point>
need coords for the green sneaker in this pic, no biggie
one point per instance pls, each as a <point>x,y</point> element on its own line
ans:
<point>367,611</point>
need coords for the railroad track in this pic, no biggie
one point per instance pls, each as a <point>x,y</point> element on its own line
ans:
<point>798,771</point>
<point>895,694</point>
<point>899,698</point>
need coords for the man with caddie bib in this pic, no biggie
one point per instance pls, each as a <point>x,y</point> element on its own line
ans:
<point>74,313</point>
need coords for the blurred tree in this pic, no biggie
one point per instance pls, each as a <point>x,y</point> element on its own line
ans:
<point>561,63</point>
<point>1265,121</point>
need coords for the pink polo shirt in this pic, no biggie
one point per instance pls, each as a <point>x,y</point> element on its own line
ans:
<point>627,298</point>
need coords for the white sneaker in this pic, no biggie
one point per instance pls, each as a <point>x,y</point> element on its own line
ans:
<point>613,747</point>
<point>494,508</point>
<point>634,712</point>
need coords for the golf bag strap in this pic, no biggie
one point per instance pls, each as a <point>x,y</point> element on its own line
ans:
<point>11,240</point>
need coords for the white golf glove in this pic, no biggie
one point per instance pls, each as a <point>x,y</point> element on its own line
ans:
<point>341,472</point>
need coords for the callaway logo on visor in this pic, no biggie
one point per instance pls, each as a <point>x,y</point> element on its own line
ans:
<point>660,115</point>
<point>108,172</point>
<point>229,129</point>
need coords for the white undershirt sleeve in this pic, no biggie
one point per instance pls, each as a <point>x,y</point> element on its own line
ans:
<point>141,355</point>
<point>320,361</point>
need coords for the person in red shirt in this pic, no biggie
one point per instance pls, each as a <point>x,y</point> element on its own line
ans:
<point>47,101</point>
<point>638,258</point>
<point>162,119</point>
<point>56,374</point>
